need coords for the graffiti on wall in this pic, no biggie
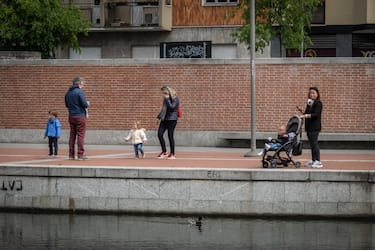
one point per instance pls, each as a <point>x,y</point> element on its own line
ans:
<point>12,185</point>
<point>185,50</point>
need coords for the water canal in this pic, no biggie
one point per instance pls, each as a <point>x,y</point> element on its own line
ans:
<point>63,231</point>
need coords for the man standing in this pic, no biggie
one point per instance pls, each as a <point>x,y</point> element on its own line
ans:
<point>77,104</point>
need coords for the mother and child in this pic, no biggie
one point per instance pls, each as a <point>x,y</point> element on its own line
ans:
<point>313,125</point>
<point>77,105</point>
<point>168,117</point>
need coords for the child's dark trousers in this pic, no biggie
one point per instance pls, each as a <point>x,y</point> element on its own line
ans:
<point>53,145</point>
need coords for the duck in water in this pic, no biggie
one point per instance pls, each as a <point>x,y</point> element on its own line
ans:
<point>196,222</point>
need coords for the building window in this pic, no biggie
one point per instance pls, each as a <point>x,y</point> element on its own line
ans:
<point>219,2</point>
<point>224,51</point>
<point>140,51</point>
<point>319,14</point>
<point>86,53</point>
<point>199,49</point>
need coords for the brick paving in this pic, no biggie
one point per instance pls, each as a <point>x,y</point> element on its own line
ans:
<point>186,157</point>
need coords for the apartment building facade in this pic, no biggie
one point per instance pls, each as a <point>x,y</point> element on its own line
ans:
<point>203,29</point>
<point>159,28</point>
<point>340,28</point>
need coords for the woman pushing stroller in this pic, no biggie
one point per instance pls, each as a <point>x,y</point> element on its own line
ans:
<point>313,125</point>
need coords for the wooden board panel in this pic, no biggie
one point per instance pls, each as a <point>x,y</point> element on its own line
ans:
<point>192,13</point>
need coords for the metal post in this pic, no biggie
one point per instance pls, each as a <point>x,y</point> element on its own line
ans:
<point>302,43</point>
<point>303,34</point>
<point>252,80</point>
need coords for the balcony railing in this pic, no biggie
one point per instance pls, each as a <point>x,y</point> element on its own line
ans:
<point>125,14</point>
<point>111,15</point>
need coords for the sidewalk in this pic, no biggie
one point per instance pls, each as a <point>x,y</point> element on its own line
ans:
<point>186,157</point>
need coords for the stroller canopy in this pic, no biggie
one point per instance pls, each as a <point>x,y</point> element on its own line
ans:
<point>294,125</point>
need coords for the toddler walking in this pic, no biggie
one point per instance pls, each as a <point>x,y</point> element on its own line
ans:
<point>137,136</point>
<point>53,132</point>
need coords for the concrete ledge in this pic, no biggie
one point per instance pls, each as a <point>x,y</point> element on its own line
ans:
<point>13,55</point>
<point>324,136</point>
<point>183,138</point>
<point>189,191</point>
<point>105,172</point>
<point>125,62</point>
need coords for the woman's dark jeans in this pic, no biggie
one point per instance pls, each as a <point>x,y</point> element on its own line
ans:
<point>313,140</point>
<point>170,126</point>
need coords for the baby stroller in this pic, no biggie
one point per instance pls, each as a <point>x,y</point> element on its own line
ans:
<point>282,155</point>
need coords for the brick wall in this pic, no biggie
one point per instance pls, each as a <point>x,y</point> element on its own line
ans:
<point>214,96</point>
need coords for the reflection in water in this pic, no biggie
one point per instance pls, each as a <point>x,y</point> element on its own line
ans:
<point>60,231</point>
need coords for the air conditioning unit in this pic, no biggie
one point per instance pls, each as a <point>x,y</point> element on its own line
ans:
<point>148,19</point>
<point>151,17</point>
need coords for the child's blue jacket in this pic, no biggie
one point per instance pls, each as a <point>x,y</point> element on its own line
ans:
<point>53,128</point>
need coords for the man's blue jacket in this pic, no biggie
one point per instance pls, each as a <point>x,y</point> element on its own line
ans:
<point>76,102</point>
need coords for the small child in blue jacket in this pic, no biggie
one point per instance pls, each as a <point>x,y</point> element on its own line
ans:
<point>53,132</point>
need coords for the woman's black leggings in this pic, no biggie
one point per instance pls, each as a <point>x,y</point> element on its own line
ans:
<point>170,126</point>
<point>314,145</point>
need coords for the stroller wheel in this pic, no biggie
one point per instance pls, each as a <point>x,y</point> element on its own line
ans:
<point>273,164</point>
<point>265,164</point>
<point>297,164</point>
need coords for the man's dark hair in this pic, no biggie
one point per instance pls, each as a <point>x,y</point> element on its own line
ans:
<point>78,80</point>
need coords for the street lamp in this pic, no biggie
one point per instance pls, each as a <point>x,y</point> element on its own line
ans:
<point>252,151</point>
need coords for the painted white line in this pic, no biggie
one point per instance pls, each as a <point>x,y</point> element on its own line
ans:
<point>259,159</point>
<point>3,155</point>
<point>130,155</point>
<point>108,156</point>
<point>116,156</point>
<point>217,159</point>
<point>356,161</point>
<point>34,161</point>
<point>184,168</point>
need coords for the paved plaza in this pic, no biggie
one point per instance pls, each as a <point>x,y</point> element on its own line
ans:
<point>186,157</point>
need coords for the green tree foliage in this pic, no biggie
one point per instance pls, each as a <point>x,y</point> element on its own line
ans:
<point>288,18</point>
<point>40,25</point>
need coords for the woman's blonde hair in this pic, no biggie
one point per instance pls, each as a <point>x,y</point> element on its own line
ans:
<point>172,92</point>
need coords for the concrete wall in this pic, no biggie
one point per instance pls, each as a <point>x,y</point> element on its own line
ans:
<point>20,55</point>
<point>370,11</point>
<point>346,12</point>
<point>189,191</point>
<point>119,44</point>
<point>190,138</point>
